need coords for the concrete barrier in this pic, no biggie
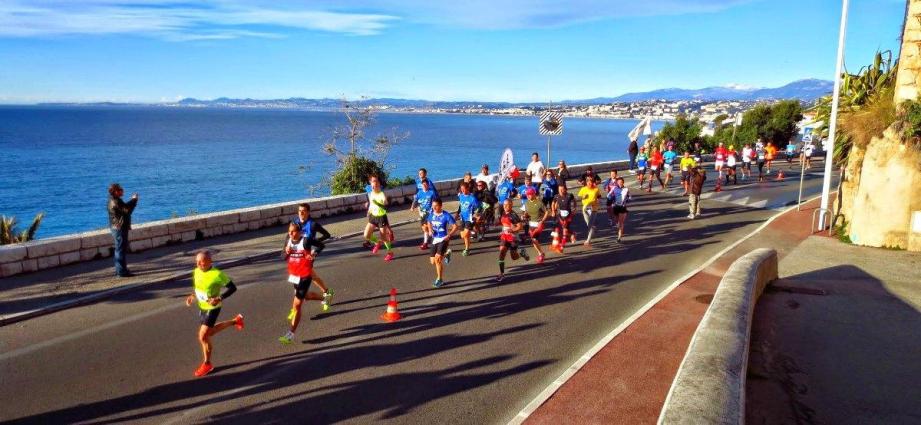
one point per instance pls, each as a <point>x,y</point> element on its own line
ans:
<point>710,385</point>
<point>57,251</point>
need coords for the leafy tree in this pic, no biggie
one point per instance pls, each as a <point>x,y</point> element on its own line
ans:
<point>357,156</point>
<point>9,234</point>
<point>772,123</point>
<point>685,131</point>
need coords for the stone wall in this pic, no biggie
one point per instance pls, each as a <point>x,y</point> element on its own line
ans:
<point>62,250</point>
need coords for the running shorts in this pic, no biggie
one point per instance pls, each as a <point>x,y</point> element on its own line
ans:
<point>619,209</point>
<point>685,176</point>
<point>301,288</point>
<point>423,216</point>
<point>380,222</point>
<point>209,317</point>
<point>719,163</point>
<point>534,230</point>
<point>439,248</point>
<point>464,225</point>
<point>668,168</point>
<point>512,244</point>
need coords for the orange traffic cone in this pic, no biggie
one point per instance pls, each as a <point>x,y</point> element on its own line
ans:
<point>555,244</point>
<point>719,185</point>
<point>391,315</point>
<point>780,175</point>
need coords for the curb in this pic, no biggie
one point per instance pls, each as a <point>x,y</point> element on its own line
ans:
<point>90,299</point>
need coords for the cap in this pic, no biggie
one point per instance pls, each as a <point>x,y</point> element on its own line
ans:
<point>530,191</point>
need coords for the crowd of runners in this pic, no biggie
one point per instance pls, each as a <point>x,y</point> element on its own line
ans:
<point>524,209</point>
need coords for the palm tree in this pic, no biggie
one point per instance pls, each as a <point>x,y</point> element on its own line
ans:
<point>10,235</point>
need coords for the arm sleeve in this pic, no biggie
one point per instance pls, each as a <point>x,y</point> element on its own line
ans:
<point>319,230</point>
<point>230,289</point>
<point>129,206</point>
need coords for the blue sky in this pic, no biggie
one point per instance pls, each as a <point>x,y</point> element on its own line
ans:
<point>520,50</point>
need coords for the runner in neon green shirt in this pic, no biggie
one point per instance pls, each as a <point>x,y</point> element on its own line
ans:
<point>207,282</point>
<point>377,219</point>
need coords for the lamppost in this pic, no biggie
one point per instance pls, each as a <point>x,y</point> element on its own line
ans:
<point>825,208</point>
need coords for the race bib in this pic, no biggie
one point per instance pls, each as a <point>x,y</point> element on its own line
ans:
<point>655,167</point>
<point>437,240</point>
<point>564,213</point>
<point>534,223</point>
<point>588,210</point>
<point>294,279</point>
<point>760,156</point>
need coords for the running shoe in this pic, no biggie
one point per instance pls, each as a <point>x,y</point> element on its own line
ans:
<point>447,259</point>
<point>204,369</point>
<point>465,253</point>
<point>291,314</point>
<point>479,237</point>
<point>286,338</point>
<point>327,299</point>
<point>524,254</point>
<point>500,277</point>
<point>238,322</point>
<point>423,247</point>
<point>438,283</point>
<point>618,239</point>
<point>540,258</point>
<point>366,244</point>
<point>691,216</point>
<point>375,248</point>
<point>389,257</point>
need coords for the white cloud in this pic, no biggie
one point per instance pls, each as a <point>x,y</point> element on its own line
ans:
<point>171,20</point>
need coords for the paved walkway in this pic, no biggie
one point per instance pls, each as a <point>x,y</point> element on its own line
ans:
<point>628,380</point>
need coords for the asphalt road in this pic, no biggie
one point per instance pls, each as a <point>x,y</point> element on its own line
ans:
<point>472,351</point>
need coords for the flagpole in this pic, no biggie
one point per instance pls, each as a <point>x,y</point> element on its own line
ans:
<point>833,121</point>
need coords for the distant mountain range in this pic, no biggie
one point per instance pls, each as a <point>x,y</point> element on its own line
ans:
<point>805,90</point>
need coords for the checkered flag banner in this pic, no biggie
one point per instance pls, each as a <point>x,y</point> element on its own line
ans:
<point>551,124</point>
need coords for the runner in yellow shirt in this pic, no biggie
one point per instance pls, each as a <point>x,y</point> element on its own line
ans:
<point>208,281</point>
<point>687,164</point>
<point>589,195</point>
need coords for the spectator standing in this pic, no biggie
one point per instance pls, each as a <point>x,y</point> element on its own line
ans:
<point>536,170</point>
<point>120,224</point>
<point>698,177</point>
<point>562,172</point>
<point>633,150</point>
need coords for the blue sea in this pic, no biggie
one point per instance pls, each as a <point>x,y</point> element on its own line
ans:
<point>60,160</point>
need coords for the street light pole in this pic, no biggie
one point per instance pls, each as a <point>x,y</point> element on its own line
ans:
<point>832,123</point>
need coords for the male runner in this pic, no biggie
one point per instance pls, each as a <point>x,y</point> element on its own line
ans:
<point>807,154</point>
<point>669,157</point>
<point>747,154</point>
<point>791,151</point>
<point>537,215</point>
<point>686,165</point>
<point>442,226</point>
<point>562,208</point>
<point>655,168</point>
<point>377,219</point>
<point>720,154</point>
<point>769,153</point>
<point>641,162</point>
<point>309,230</point>
<point>606,187</point>
<point>467,208</point>
<point>731,165</point>
<point>486,213</point>
<point>422,202</point>
<point>504,189</point>
<point>300,274</point>
<point>207,282</point>
<point>621,194</point>
<point>508,241</point>
<point>423,176</point>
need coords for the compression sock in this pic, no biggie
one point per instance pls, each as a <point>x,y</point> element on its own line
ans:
<point>387,245</point>
<point>373,239</point>
<point>502,266</point>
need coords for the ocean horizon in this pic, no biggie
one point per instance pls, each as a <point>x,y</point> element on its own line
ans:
<point>183,161</point>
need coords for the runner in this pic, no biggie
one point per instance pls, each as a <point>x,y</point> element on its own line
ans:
<point>207,282</point>
<point>790,152</point>
<point>508,241</point>
<point>606,188</point>
<point>423,176</point>
<point>300,274</point>
<point>669,157</point>
<point>422,202</point>
<point>641,162</point>
<point>468,178</point>
<point>747,155</point>
<point>589,195</point>
<point>439,222</point>
<point>536,214</point>
<point>697,153</point>
<point>467,207</point>
<point>720,154</point>
<point>548,188</point>
<point>486,214</point>
<point>621,196</point>
<point>309,229</point>
<point>807,155</point>
<point>687,163</point>
<point>377,219</point>
<point>769,153</point>
<point>761,155</point>
<point>731,165</point>
<point>655,169</point>
<point>505,189</point>
<point>562,208</point>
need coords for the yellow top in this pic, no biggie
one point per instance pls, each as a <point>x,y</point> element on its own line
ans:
<point>589,197</point>
<point>376,203</point>
<point>208,284</point>
<point>687,164</point>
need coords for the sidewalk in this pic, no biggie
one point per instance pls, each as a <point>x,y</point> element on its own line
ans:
<point>837,339</point>
<point>28,295</point>
<point>628,380</point>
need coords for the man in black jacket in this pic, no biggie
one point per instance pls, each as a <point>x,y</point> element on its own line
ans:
<point>119,225</point>
<point>633,150</point>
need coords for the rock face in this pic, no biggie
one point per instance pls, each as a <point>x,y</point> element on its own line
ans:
<point>909,76</point>
<point>888,190</point>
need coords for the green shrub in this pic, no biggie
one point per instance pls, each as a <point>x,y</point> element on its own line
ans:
<point>9,234</point>
<point>397,182</point>
<point>352,175</point>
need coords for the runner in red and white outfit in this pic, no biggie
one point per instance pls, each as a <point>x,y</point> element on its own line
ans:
<point>731,165</point>
<point>720,154</point>
<point>300,272</point>
<point>511,224</point>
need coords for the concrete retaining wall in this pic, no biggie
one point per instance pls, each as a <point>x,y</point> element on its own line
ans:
<point>710,385</point>
<point>62,250</point>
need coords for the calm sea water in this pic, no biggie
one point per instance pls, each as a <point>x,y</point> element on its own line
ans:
<point>61,160</point>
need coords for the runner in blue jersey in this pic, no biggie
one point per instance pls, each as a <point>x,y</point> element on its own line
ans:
<point>467,211</point>
<point>642,163</point>
<point>505,189</point>
<point>422,202</point>
<point>310,230</point>
<point>669,156</point>
<point>423,176</point>
<point>522,191</point>
<point>442,226</point>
